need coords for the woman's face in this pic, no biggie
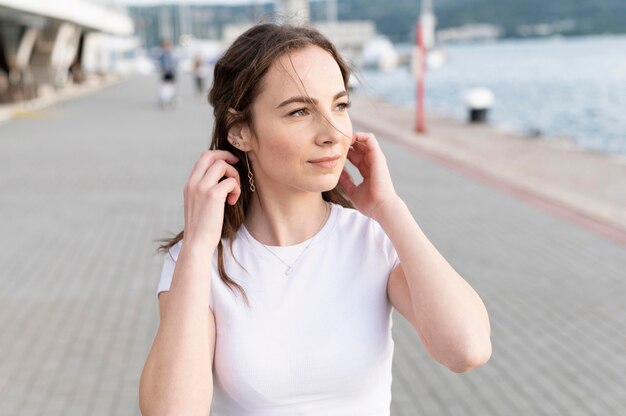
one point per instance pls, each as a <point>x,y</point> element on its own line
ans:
<point>301,122</point>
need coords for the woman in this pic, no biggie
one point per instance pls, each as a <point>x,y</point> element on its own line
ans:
<point>299,286</point>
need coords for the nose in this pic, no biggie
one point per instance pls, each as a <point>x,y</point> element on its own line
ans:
<point>329,131</point>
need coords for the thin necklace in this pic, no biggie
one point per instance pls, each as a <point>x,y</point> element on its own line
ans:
<point>290,266</point>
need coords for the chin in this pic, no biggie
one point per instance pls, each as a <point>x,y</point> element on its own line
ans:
<point>323,185</point>
<point>331,184</point>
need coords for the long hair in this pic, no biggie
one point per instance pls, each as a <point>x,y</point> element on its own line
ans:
<point>236,84</point>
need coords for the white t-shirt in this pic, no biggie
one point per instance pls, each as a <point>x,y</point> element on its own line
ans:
<point>314,342</point>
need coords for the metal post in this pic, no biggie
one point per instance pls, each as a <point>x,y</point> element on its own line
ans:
<point>331,11</point>
<point>420,122</point>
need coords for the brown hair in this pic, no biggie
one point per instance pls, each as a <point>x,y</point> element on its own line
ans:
<point>236,83</point>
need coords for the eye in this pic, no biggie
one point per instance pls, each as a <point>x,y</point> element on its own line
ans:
<point>301,112</point>
<point>344,106</point>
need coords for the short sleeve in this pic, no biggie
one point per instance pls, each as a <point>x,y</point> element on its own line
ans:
<point>169,263</point>
<point>389,251</point>
<point>167,272</point>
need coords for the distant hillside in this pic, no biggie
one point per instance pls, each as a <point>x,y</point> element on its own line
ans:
<point>396,18</point>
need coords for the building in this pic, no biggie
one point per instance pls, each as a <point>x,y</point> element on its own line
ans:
<point>47,44</point>
<point>293,11</point>
<point>193,23</point>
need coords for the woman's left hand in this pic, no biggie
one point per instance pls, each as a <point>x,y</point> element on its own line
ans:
<point>376,189</point>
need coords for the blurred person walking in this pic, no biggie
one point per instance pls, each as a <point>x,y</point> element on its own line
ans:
<point>168,64</point>
<point>277,296</point>
<point>200,72</point>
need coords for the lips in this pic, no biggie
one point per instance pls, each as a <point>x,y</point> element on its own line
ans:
<point>325,159</point>
<point>326,162</point>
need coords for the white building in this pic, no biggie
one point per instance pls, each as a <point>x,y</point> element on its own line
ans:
<point>349,36</point>
<point>466,33</point>
<point>293,11</point>
<point>49,43</point>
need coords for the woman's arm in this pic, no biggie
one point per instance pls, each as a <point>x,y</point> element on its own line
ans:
<point>448,314</point>
<point>177,377</point>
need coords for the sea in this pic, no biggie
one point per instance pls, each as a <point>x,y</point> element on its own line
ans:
<point>571,89</point>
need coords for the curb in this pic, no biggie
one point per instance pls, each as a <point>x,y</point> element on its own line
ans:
<point>15,110</point>
<point>572,213</point>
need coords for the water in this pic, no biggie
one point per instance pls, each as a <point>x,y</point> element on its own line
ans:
<point>573,88</point>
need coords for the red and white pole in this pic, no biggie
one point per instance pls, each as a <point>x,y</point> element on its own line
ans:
<point>420,121</point>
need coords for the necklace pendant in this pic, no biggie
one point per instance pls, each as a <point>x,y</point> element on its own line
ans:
<point>288,271</point>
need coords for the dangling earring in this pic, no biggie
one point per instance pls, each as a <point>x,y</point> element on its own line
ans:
<point>250,175</point>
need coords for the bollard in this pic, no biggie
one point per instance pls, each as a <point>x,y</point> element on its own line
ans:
<point>478,115</point>
<point>478,101</point>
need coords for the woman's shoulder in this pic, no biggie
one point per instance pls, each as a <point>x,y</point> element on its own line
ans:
<point>353,218</point>
<point>355,229</point>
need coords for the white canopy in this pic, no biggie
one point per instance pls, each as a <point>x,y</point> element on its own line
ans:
<point>88,14</point>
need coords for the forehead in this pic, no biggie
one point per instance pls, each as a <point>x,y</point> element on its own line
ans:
<point>309,71</point>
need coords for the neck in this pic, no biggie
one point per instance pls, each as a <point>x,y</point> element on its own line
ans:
<point>286,221</point>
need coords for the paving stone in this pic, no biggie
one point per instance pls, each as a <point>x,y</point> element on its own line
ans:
<point>88,191</point>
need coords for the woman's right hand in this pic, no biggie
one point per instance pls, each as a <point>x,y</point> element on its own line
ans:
<point>205,194</point>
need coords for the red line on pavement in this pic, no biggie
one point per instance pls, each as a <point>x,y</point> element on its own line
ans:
<point>572,214</point>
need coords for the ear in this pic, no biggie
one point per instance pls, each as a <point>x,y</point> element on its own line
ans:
<point>239,134</point>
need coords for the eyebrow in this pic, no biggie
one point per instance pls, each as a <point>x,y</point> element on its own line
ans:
<point>308,100</point>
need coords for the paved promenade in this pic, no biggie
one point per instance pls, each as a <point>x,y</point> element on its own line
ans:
<point>86,186</point>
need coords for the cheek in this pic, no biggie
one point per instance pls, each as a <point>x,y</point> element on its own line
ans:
<point>344,125</point>
<point>348,132</point>
<point>279,150</point>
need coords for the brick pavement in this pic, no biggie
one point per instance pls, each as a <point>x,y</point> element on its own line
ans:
<point>86,188</point>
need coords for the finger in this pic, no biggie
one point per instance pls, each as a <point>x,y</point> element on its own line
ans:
<point>207,158</point>
<point>347,183</point>
<point>225,155</point>
<point>363,138</point>
<point>216,172</point>
<point>365,142</point>
<point>212,174</point>
<point>360,161</point>
<point>230,188</point>
<point>355,156</point>
<point>199,168</point>
<point>368,146</point>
